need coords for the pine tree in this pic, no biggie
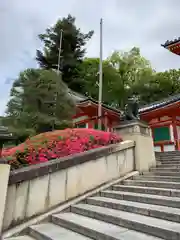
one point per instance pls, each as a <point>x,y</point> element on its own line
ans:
<point>39,102</point>
<point>72,54</point>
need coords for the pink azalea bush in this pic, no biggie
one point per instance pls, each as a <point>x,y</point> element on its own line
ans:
<point>60,143</point>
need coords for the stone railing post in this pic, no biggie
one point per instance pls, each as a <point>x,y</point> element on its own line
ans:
<point>4,179</point>
<point>139,132</point>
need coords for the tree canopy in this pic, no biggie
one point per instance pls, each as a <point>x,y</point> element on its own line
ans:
<point>122,72</point>
<point>89,70</point>
<point>126,74</point>
<point>72,52</point>
<point>39,101</point>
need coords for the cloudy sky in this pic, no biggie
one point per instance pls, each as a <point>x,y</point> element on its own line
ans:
<point>127,23</point>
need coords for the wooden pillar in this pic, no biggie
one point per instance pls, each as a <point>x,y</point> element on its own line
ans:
<point>162,148</point>
<point>109,125</point>
<point>176,142</point>
<point>90,124</point>
<point>106,120</point>
<point>152,132</point>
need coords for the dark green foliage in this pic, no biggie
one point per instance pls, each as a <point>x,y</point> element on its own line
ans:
<point>39,102</point>
<point>73,50</point>
<point>126,74</point>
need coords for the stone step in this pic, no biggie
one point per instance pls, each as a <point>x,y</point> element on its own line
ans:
<point>169,158</point>
<point>168,162</point>
<point>149,225</point>
<point>98,230</point>
<point>173,162</point>
<point>143,198</point>
<point>157,178</point>
<point>162,212</point>
<point>25,237</point>
<point>169,153</point>
<point>148,190</point>
<point>50,231</point>
<point>164,165</point>
<point>163,169</point>
<point>161,173</point>
<point>146,183</point>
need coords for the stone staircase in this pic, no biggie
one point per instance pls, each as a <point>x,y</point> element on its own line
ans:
<point>146,207</point>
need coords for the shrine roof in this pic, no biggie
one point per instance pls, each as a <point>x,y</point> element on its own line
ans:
<point>77,96</point>
<point>170,42</point>
<point>160,104</point>
<point>80,99</point>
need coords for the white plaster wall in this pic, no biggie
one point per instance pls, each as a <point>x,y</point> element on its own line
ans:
<point>157,148</point>
<point>31,198</point>
<point>169,147</point>
<point>178,131</point>
<point>171,133</point>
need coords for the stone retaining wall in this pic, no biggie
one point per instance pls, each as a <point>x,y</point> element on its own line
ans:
<point>36,189</point>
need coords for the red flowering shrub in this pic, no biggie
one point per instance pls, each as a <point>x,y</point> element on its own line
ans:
<point>57,144</point>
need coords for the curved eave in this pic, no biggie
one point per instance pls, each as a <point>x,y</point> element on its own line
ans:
<point>77,97</point>
<point>88,102</point>
<point>168,102</point>
<point>161,110</point>
<point>173,46</point>
<point>170,43</point>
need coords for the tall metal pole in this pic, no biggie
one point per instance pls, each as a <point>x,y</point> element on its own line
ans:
<point>58,72</point>
<point>59,55</point>
<point>100,77</point>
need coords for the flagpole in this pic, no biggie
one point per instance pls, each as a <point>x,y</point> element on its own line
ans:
<point>58,72</point>
<point>59,55</point>
<point>100,77</point>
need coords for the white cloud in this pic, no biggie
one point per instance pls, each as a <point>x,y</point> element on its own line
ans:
<point>127,23</point>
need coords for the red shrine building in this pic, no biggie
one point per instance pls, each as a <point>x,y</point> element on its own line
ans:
<point>163,117</point>
<point>173,46</point>
<point>87,114</point>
